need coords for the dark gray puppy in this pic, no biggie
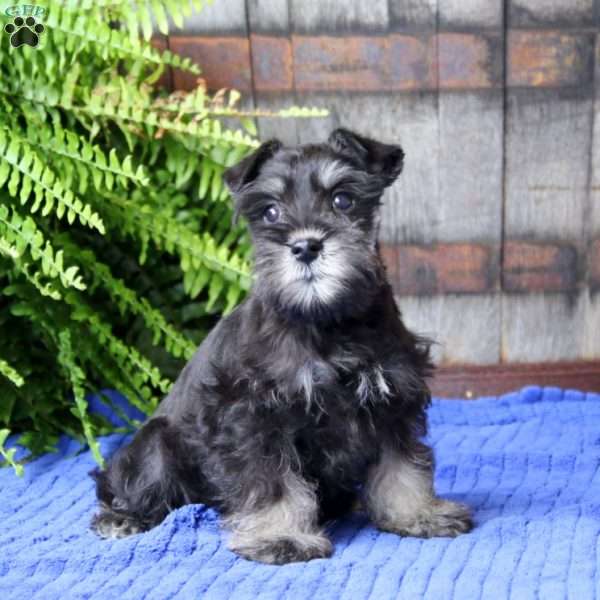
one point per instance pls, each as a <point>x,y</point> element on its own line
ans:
<point>312,393</point>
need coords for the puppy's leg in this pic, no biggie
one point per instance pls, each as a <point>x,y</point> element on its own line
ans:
<point>400,498</point>
<point>142,482</point>
<point>282,530</point>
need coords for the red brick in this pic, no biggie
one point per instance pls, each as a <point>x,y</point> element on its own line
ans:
<point>272,63</point>
<point>224,62</point>
<point>467,61</point>
<point>539,267</point>
<point>351,63</point>
<point>456,268</point>
<point>594,265</point>
<point>549,58</point>
<point>412,62</point>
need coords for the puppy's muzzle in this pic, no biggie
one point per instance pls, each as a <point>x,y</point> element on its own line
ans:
<point>307,250</point>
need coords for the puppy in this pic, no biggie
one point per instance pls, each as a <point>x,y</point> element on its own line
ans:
<point>312,393</point>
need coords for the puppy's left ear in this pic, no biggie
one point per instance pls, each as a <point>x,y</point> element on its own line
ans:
<point>247,169</point>
<point>374,157</point>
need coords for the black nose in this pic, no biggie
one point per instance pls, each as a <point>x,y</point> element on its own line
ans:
<point>307,250</point>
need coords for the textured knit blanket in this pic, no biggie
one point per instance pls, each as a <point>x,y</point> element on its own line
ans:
<point>526,462</point>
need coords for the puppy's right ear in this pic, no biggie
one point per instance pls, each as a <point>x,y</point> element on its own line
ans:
<point>385,160</point>
<point>247,169</point>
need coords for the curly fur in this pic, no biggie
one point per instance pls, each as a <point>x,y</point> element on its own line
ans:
<point>311,393</point>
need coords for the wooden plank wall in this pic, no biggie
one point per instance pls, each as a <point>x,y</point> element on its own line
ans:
<point>492,234</point>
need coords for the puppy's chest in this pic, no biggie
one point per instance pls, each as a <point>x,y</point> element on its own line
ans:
<point>316,380</point>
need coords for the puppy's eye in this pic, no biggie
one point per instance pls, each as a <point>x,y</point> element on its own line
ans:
<point>271,214</point>
<point>342,202</point>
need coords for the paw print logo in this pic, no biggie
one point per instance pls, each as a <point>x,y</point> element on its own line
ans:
<point>24,31</point>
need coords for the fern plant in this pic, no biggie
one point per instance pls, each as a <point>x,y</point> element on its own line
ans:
<point>116,246</point>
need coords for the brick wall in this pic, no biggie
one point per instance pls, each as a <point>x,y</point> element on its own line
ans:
<point>492,235</point>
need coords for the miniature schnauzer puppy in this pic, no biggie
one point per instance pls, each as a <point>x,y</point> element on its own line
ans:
<point>311,395</point>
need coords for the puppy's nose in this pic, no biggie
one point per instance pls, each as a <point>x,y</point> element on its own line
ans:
<point>307,250</point>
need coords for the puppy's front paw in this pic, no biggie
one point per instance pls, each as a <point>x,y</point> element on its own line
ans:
<point>448,519</point>
<point>283,550</point>
<point>113,525</point>
<point>441,518</point>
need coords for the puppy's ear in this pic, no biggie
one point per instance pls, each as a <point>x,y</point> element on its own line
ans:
<point>374,157</point>
<point>247,169</point>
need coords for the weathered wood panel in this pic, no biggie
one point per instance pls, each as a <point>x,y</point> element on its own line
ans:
<point>532,13</point>
<point>548,144</point>
<point>272,66</point>
<point>268,16</point>
<point>465,328</point>
<point>492,233</point>
<point>538,327</point>
<point>218,17</point>
<point>591,330</point>
<point>475,381</point>
<point>481,14</point>
<point>333,15</point>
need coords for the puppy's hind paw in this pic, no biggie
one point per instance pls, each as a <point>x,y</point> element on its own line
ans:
<point>283,550</point>
<point>111,525</point>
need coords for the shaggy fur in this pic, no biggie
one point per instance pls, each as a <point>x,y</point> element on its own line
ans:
<point>312,393</point>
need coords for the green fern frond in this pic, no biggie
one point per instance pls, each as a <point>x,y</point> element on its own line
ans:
<point>102,170</point>
<point>10,373</point>
<point>91,28</point>
<point>117,251</point>
<point>23,235</point>
<point>128,302</point>
<point>73,371</point>
<point>27,175</point>
<point>148,372</point>
<point>9,454</point>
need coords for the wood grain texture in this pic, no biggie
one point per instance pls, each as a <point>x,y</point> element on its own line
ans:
<point>591,329</point>
<point>590,343</point>
<point>469,206</point>
<point>308,16</point>
<point>595,155</point>
<point>218,17</point>
<point>268,16</point>
<point>480,14</point>
<point>466,328</point>
<point>285,130</point>
<point>569,13</point>
<point>469,382</point>
<point>540,327</point>
<point>548,141</point>
<point>413,14</point>
<point>446,14</point>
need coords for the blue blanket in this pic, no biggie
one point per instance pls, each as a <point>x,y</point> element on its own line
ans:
<point>526,462</point>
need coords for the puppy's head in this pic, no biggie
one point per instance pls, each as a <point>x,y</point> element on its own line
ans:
<point>313,212</point>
